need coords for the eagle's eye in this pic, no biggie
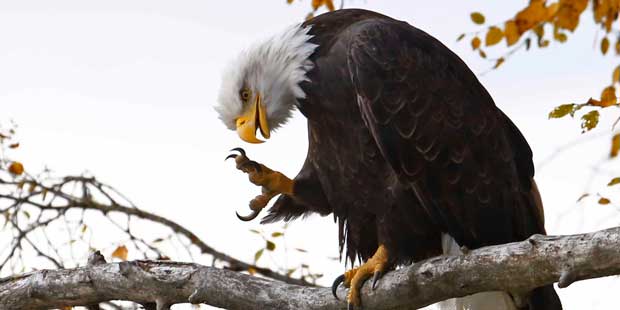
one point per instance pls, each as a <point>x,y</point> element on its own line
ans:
<point>245,95</point>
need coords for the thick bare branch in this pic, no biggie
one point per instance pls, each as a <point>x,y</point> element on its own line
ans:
<point>516,267</point>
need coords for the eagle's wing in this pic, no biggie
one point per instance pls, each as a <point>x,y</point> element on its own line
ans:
<point>467,163</point>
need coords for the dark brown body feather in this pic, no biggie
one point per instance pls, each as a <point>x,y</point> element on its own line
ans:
<point>406,144</point>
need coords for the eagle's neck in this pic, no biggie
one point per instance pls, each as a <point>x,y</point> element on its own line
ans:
<point>278,66</point>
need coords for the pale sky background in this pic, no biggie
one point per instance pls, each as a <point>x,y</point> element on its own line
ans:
<point>125,89</point>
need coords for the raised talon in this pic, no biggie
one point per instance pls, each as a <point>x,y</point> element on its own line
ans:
<point>249,217</point>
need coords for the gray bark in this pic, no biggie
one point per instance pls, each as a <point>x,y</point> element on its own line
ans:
<point>515,267</point>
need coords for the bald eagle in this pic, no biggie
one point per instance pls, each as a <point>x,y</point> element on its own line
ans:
<point>406,148</point>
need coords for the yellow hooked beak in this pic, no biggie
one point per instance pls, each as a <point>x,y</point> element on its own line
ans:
<point>255,118</point>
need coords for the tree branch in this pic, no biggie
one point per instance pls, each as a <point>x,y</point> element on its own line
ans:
<point>515,267</point>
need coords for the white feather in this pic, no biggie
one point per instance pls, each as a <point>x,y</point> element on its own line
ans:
<point>274,68</point>
<point>480,301</point>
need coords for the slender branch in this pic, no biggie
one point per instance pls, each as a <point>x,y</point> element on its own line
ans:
<point>515,267</point>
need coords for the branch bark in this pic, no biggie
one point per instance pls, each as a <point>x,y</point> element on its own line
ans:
<point>515,267</point>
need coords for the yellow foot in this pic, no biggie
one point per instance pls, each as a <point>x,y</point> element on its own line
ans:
<point>354,279</point>
<point>272,182</point>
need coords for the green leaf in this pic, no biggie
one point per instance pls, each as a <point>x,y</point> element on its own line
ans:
<point>257,255</point>
<point>277,234</point>
<point>270,246</point>
<point>614,181</point>
<point>477,18</point>
<point>589,120</point>
<point>562,110</point>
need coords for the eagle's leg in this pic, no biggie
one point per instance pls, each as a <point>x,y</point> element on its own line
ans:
<point>272,182</point>
<point>354,279</point>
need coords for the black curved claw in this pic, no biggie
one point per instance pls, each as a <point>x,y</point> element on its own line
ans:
<point>376,277</point>
<point>253,164</point>
<point>248,217</point>
<point>335,285</point>
<point>240,150</point>
<point>231,156</point>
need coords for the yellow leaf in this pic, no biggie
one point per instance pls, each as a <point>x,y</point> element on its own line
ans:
<point>614,181</point>
<point>499,62</point>
<point>511,32</point>
<point>531,16</point>
<point>603,201</point>
<point>16,168</point>
<point>615,145</point>
<point>589,120</point>
<point>608,96</point>
<point>569,12</point>
<point>120,252</point>
<point>604,45</point>
<point>477,18</point>
<point>562,110</point>
<point>475,43</point>
<point>494,36</point>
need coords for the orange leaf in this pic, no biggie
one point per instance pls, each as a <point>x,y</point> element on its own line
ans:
<point>604,45</point>
<point>511,32</point>
<point>608,96</point>
<point>494,36</point>
<point>499,62</point>
<point>615,145</point>
<point>120,252</point>
<point>604,201</point>
<point>529,17</point>
<point>475,43</point>
<point>477,18</point>
<point>16,168</point>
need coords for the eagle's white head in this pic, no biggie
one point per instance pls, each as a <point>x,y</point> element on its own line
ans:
<point>260,88</point>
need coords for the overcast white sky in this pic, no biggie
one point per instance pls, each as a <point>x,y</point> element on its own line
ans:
<point>125,89</point>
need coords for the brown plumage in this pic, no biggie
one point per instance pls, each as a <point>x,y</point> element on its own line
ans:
<point>406,144</point>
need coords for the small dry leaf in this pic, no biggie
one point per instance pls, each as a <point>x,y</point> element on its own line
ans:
<point>14,145</point>
<point>531,16</point>
<point>511,32</point>
<point>475,43</point>
<point>252,270</point>
<point>562,110</point>
<point>277,234</point>
<point>614,181</point>
<point>120,252</point>
<point>615,145</point>
<point>499,62</point>
<point>461,36</point>
<point>16,168</point>
<point>494,36</point>
<point>589,120</point>
<point>270,245</point>
<point>604,201</point>
<point>608,96</point>
<point>477,18</point>
<point>482,53</point>
<point>257,255</point>
<point>582,197</point>
<point>615,77</point>
<point>604,45</point>
<point>617,47</point>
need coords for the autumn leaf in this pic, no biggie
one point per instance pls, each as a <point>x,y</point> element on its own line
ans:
<point>604,201</point>
<point>475,43</point>
<point>14,145</point>
<point>562,110</point>
<point>460,37</point>
<point>511,32</point>
<point>257,255</point>
<point>608,96</point>
<point>589,120</point>
<point>499,62</point>
<point>615,77</point>
<point>316,4</point>
<point>477,18</point>
<point>615,145</point>
<point>120,252</point>
<point>16,168</point>
<point>494,36</point>
<point>532,15</point>
<point>604,45</point>
<point>270,246</point>
<point>614,181</point>
<point>482,53</point>
<point>329,4</point>
<point>277,234</point>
